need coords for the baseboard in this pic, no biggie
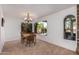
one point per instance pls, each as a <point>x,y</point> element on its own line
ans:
<point>13,38</point>
<point>43,38</point>
<point>59,45</point>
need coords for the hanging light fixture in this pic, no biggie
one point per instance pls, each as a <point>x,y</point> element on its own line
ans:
<point>28,18</point>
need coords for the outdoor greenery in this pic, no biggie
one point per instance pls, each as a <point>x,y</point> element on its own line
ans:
<point>41,27</point>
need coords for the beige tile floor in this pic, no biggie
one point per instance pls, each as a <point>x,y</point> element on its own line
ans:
<point>41,48</point>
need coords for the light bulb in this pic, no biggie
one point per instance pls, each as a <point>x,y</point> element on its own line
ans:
<point>25,18</point>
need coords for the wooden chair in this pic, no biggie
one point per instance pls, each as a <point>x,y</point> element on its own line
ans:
<point>31,39</point>
<point>28,38</point>
<point>24,36</point>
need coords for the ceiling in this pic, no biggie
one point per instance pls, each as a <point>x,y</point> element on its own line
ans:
<point>35,10</point>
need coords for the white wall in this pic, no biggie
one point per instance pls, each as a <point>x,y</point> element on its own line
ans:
<point>55,29</point>
<point>12,28</point>
<point>2,34</point>
<point>0,30</point>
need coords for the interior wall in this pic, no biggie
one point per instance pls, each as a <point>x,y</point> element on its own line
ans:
<point>12,28</point>
<point>0,29</point>
<point>2,34</point>
<point>55,29</point>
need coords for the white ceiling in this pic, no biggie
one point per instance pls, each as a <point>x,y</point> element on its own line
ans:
<point>36,10</point>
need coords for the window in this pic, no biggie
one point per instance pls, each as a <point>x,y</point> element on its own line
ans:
<point>70,27</point>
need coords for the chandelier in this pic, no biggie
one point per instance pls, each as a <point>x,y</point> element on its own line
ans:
<point>28,18</point>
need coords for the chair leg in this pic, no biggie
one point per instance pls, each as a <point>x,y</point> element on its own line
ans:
<point>22,41</point>
<point>29,43</point>
<point>26,43</point>
<point>34,41</point>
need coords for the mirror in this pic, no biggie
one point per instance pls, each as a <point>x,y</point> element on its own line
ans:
<point>70,27</point>
<point>26,27</point>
